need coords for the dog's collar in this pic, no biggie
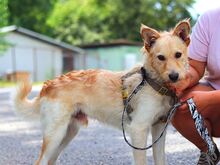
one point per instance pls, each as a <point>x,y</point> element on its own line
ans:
<point>160,88</point>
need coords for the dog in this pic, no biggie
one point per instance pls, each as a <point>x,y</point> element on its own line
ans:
<point>65,103</point>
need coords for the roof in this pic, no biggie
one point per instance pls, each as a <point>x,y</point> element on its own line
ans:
<point>41,37</point>
<point>120,42</point>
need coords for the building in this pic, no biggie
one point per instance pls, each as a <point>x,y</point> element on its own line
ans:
<point>116,56</point>
<point>39,55</point>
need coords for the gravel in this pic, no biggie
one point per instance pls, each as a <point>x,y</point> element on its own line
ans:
<point>97,144</point>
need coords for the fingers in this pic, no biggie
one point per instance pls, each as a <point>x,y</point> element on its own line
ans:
<point>178,88</point>
<point>185,98</point>
<point>170,86</point>
<point>179,93</point>
<point>183,107</point>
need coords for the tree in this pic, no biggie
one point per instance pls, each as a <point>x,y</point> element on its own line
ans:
<point>80,20</point>
<point>3,12</point>
<point>30,14</point>
<point>3,22</point>
<point>87,21</point>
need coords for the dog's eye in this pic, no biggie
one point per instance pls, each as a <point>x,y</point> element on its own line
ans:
<point>161,57</point>
<point>178,54</point>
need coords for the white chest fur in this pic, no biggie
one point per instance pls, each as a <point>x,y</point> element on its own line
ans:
<point>148,106</point>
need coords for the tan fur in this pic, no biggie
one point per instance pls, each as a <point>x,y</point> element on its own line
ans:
<point>65,81</point>
<point>65,103</point>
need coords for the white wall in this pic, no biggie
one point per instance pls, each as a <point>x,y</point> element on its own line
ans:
<point>42,60</point>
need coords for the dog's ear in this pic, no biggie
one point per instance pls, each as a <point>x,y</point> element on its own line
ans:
<point>182,30</point>
<point>149,36</point>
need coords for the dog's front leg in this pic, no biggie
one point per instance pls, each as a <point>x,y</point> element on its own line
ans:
<point>139,139</point>
<point>159,147</point>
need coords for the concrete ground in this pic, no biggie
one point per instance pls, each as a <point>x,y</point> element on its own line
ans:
<point>97,144</point>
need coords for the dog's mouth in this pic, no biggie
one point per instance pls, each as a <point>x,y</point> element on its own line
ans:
<point>173,81</point>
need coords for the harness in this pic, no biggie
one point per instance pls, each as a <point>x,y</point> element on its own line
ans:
<point>199,122</point>
<point>146,79</point>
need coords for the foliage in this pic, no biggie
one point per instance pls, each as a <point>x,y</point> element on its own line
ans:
<point>3,13</point>
<point>87,21</point>
<point>31,14</point>
<point>75,21</point>
<point>3,22</point>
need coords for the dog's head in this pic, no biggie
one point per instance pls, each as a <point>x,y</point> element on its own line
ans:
<point>167,51</point>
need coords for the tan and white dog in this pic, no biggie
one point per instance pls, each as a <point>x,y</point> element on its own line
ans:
<point>65,103</point>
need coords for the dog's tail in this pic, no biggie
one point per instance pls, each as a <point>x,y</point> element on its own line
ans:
<point>29,109</point>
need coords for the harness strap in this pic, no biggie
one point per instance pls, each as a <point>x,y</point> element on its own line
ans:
<point>145,80</point>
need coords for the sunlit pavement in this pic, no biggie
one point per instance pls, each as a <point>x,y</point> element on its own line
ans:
<point>96,145</point>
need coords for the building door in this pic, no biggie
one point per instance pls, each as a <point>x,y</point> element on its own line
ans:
<point>68,61</point>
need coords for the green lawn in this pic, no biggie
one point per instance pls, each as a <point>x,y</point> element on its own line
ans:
<point>5,84</point>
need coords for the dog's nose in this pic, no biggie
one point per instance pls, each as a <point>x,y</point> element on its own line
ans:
<point>174,76</point>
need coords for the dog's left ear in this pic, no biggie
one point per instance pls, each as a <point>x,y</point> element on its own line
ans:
<point>182,30</point>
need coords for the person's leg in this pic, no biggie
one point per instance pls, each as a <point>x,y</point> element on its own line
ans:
<point>183,122</point>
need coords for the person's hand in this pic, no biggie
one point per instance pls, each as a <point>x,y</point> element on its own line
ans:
<point>181,85</point>
<point>202,99</point>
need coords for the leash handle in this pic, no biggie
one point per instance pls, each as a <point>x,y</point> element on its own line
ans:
<point>200,126</point>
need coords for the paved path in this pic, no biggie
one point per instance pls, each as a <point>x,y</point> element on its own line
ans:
<point>96,145</point>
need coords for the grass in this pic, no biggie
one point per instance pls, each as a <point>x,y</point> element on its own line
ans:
<point>6,84</point>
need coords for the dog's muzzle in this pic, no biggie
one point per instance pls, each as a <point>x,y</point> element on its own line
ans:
<point>173,76</point>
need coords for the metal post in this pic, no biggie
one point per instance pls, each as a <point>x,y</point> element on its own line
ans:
<point>53,63</point>
<point>84,60</point>
<point>14,66</point>
<point>35,67</point>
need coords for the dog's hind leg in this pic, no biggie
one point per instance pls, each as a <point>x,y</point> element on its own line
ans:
<point>139,139</point>
<point>70,134</point>
<point>51,144</point>
<point>72,131</point>
<point>56,137</point>
<point>159,147</point>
